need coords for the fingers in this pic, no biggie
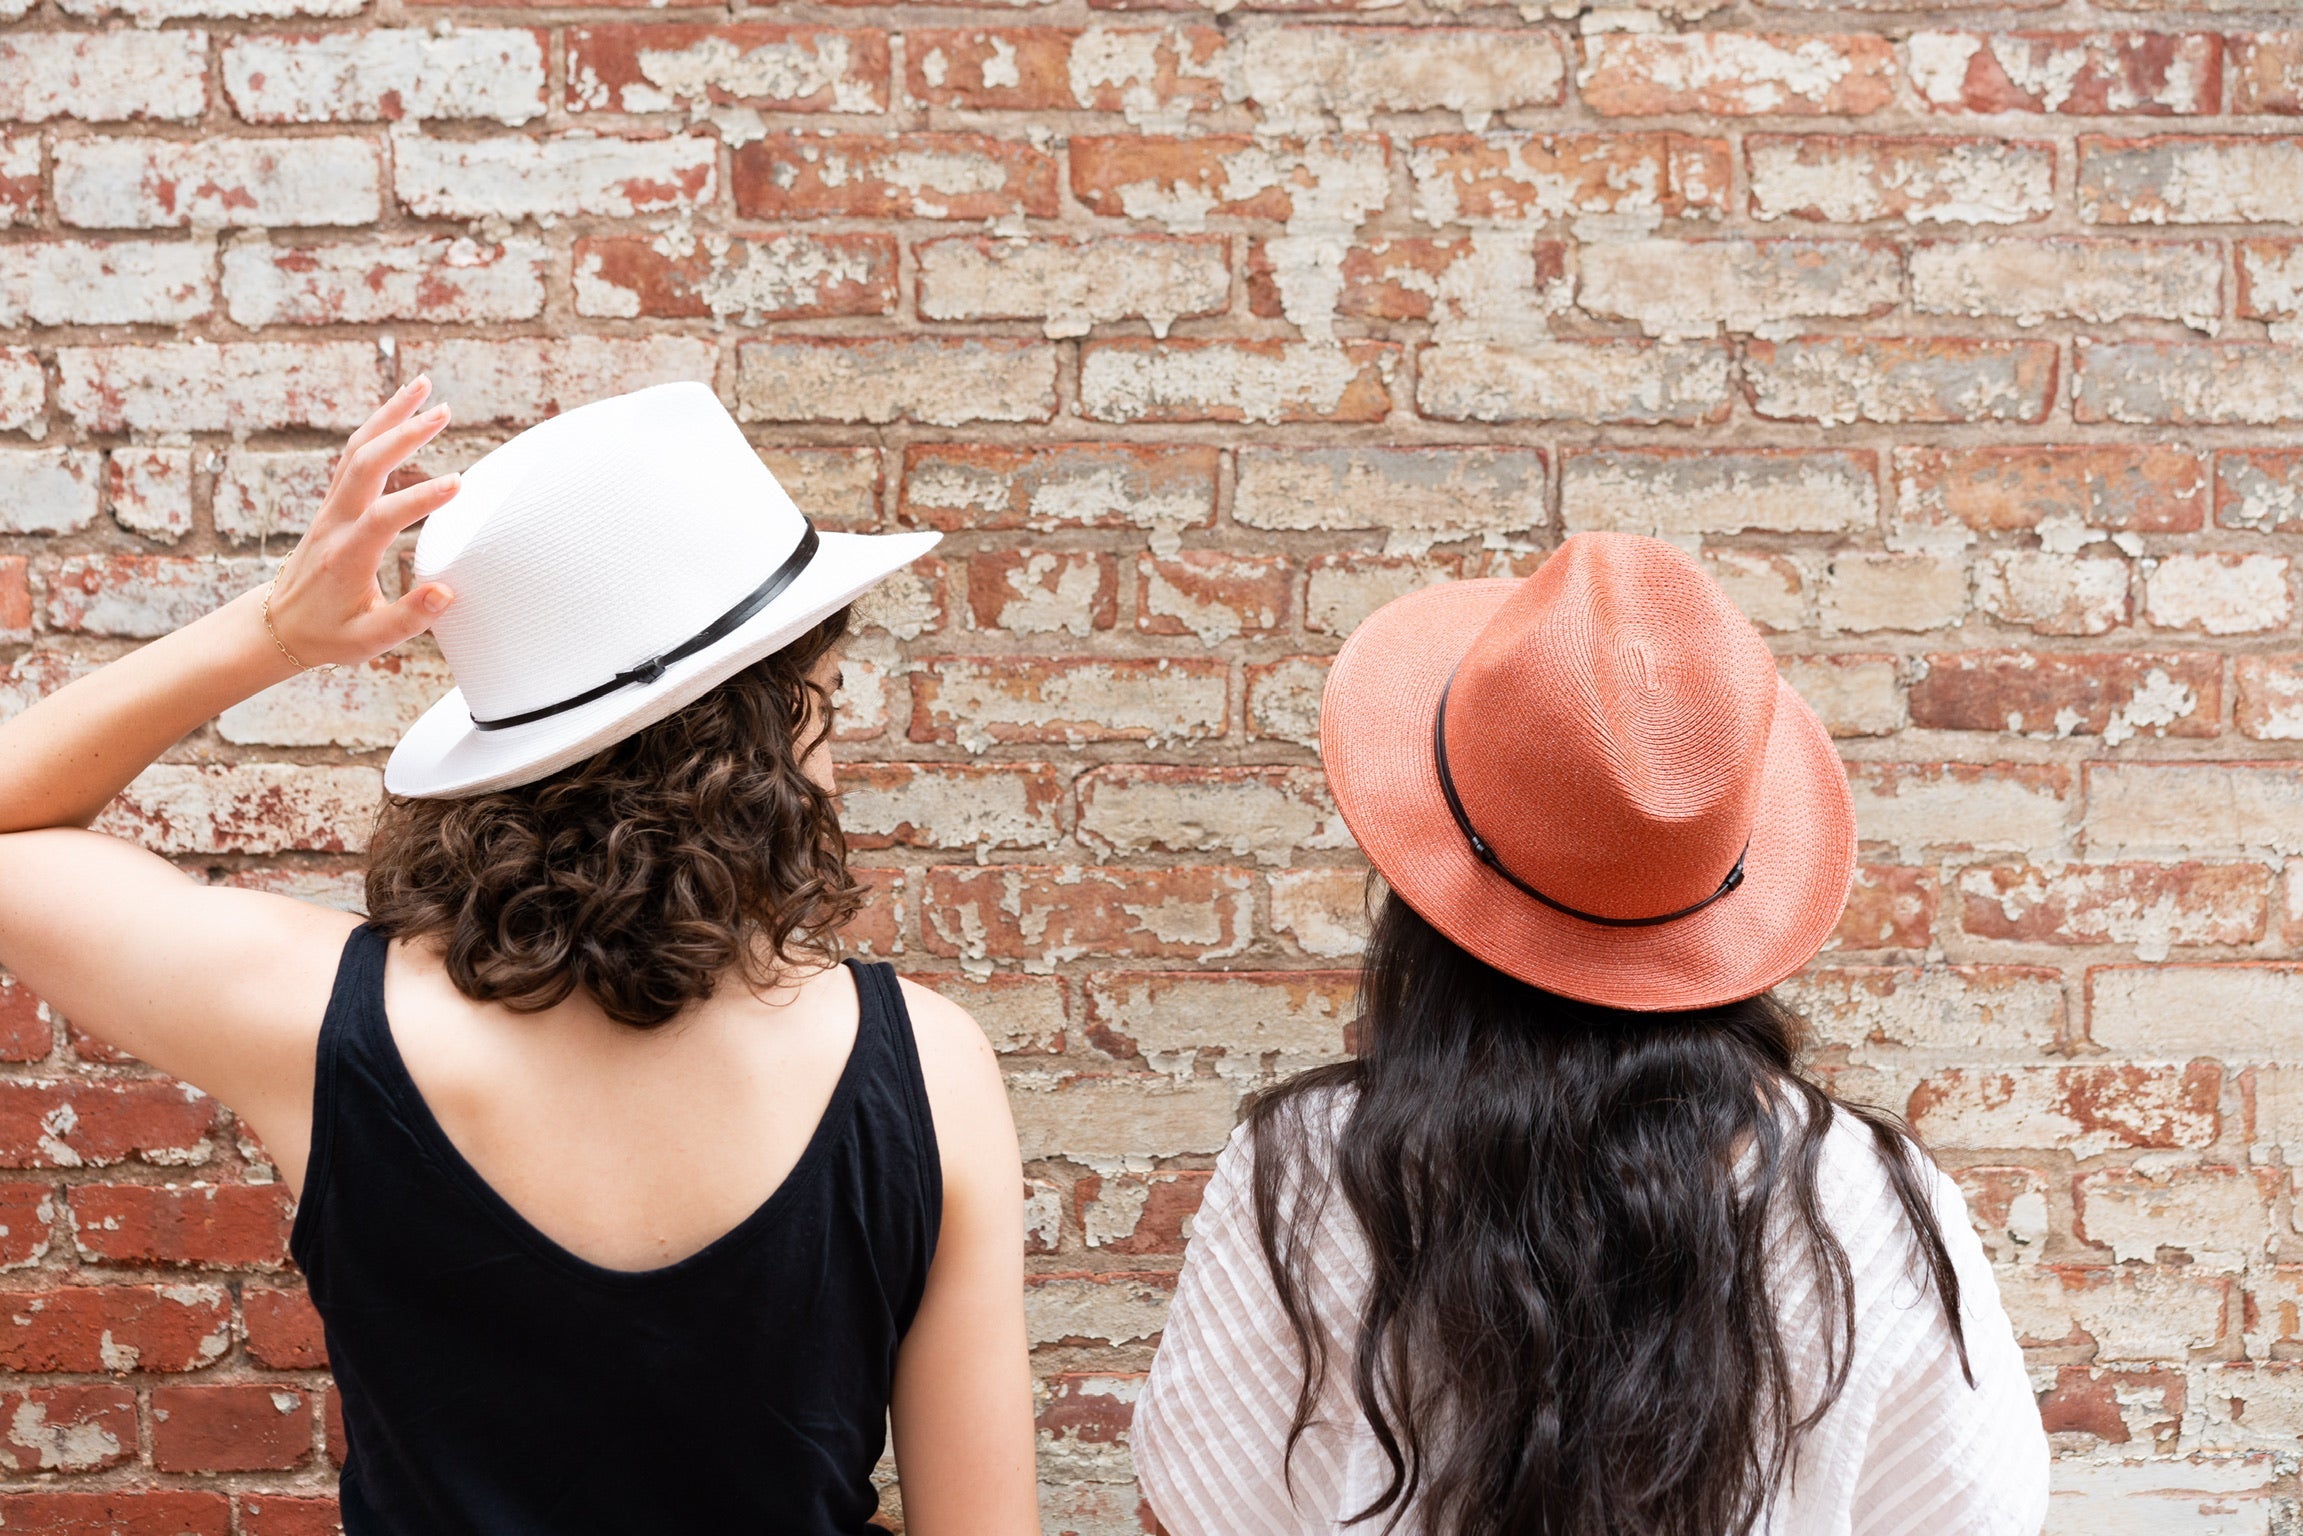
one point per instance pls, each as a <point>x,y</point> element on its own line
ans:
<point>391,413</point>
<point>391,624</point>
<point>367,467</point>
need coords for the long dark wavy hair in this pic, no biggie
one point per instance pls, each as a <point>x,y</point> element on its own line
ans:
<point>693,849</point>
<point>1569,1330</point>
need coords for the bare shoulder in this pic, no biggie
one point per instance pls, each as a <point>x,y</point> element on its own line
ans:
<point>961,1070</point>
<point>946,1031</point>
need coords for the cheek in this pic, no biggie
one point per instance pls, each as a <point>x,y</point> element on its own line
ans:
<point>818,767</point>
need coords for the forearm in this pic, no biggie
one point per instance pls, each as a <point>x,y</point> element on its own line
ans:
<point>63,760</point>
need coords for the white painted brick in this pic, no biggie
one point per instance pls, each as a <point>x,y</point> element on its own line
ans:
<point>2193,809</point>
<point>150,491</point>
<point>402,73</point>
<point>2219,594</point>
<point>439,280</point>
<point>362,708</point>
<point>130,183</point>
<point>105,282</point>
<point>1416,496</point>
<point>1072,286</point>
<point>101,77</point>
<point>1871,592</point>
<point>48,490</point>
<point>548,179</point>
<point>263,492</point>
<point>239,386</point>
<point>2053,594</point>
<point>528,379</point>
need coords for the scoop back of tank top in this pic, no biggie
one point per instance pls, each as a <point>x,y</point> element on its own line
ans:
<point>494,1382</point>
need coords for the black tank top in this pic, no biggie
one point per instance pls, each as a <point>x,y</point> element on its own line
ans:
<point>496,1384</point>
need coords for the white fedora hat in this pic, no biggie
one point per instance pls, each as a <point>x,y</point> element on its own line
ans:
<point>610,566</point>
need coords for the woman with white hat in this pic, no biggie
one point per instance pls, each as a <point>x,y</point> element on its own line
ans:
<point>1574,1247</point>
<point>625,1207</point>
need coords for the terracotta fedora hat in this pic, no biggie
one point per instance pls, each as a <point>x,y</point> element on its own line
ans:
<point>1593,779</point>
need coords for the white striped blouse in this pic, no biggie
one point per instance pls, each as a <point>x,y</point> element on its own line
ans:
<point>1908,1449</point>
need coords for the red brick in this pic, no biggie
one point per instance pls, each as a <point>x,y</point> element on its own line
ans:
<point>2114,696</point>
<point>1155,1206</point>
<point>976,702</point>
<point>26,1210</point>
<point>1935,179</point>
<point>1888,907</point>
<point>1736,74</point>
<point>952,805</point>
<point>1089,1408</point>
<point>216,1225</point>
<point>27,1027</point>
<point>2266,72</point>
<point>2270,279</point>
<point>15,599</point>
<point>2144,488</point>
<point>869,176</point>
<point>1552,176</point>
<point>1406,278</point>
<point>332,1422</point>
<point>789,276</point>
<point>1141,176</point>
<point>512,176</point>
<point>92,1328</point>
<point>878,930</point>
<point>283,1329</point>
<point>2260,488</point>
<point>1262,381</point>
<point>88,1124</point>
<point>1049,486</point>
<point>250,1427</point>
<point>1839,379</point>
<point>67,1429</point>
<point>658,67</point>
<point>1033,591</point>
<point>2098,1402</point>
<point>1213,595</point>
<point>2084,1109</point>
<point>2270,706</point>
<point>2162,904</point>
<point>283,1514</point>
<point>1033,70</point>
<point>121,1513</point>
<point>2133,74</point>
<point>1045,913</point>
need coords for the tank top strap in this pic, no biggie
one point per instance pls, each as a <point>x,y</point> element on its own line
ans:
<point>891,1055</point>
<point>347,1030</point>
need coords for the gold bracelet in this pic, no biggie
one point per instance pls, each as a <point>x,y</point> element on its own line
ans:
<point>266,605</point>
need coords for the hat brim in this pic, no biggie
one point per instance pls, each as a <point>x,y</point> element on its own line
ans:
<point>444,754</point>
<point>1375,739</point>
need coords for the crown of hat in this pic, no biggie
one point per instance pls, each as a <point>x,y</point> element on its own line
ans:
<point>597,539</point>
<point>1607,730</point>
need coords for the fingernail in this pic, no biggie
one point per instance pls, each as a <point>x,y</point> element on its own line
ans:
<point>436,599</point>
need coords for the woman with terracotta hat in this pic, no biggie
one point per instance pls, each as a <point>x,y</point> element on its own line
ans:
<point>625,1205</point>
<point>1574,1247</point>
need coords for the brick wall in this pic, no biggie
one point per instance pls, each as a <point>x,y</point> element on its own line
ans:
<point>1961,341</point>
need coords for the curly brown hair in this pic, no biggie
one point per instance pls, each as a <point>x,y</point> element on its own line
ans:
<point>690,849</point>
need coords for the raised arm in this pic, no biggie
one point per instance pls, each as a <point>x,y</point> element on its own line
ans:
<point>220,987</point>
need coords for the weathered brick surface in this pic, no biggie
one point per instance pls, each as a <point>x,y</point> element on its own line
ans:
<point>1959,343</point>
